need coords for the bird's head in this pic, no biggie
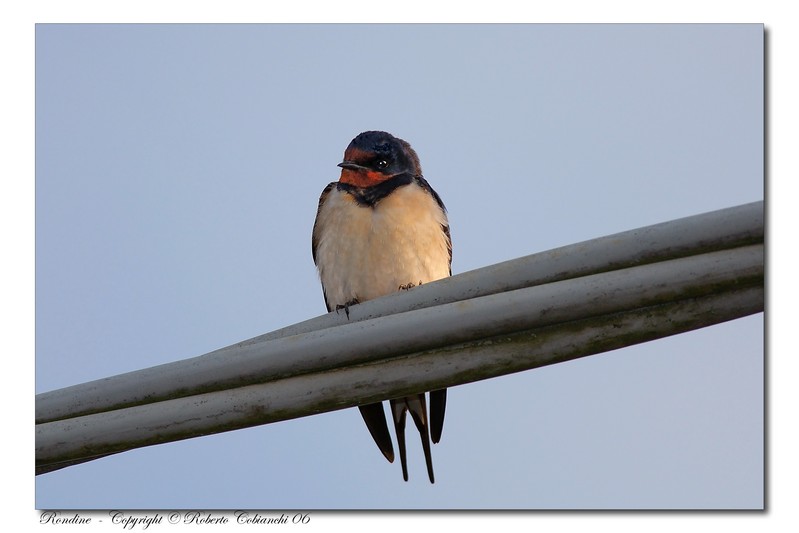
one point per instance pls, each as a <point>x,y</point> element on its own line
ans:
<point>375,156</point>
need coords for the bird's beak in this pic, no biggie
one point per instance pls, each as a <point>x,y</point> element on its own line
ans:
<point>349,165</point>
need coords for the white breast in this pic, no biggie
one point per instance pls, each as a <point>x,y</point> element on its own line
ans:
<point>365,252</point>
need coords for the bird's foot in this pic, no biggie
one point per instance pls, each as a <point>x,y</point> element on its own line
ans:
<point>346,307</point>
<point>409,286</point>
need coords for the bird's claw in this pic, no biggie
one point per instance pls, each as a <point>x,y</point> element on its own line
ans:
<point>346,307</point>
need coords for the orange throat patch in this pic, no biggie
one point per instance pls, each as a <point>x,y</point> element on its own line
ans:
<point>362,178</point>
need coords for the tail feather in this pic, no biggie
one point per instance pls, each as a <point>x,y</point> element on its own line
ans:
<point>438,404</point>
<point>418,409</point>
<point>398,410</point>
<point>375,419</point>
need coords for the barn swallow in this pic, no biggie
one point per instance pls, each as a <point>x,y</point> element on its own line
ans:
<point>381,228</point>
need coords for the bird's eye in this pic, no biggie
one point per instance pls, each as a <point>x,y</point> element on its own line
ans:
<point>381,164</point>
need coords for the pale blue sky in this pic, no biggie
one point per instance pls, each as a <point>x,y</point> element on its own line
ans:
<point>178,172</point>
